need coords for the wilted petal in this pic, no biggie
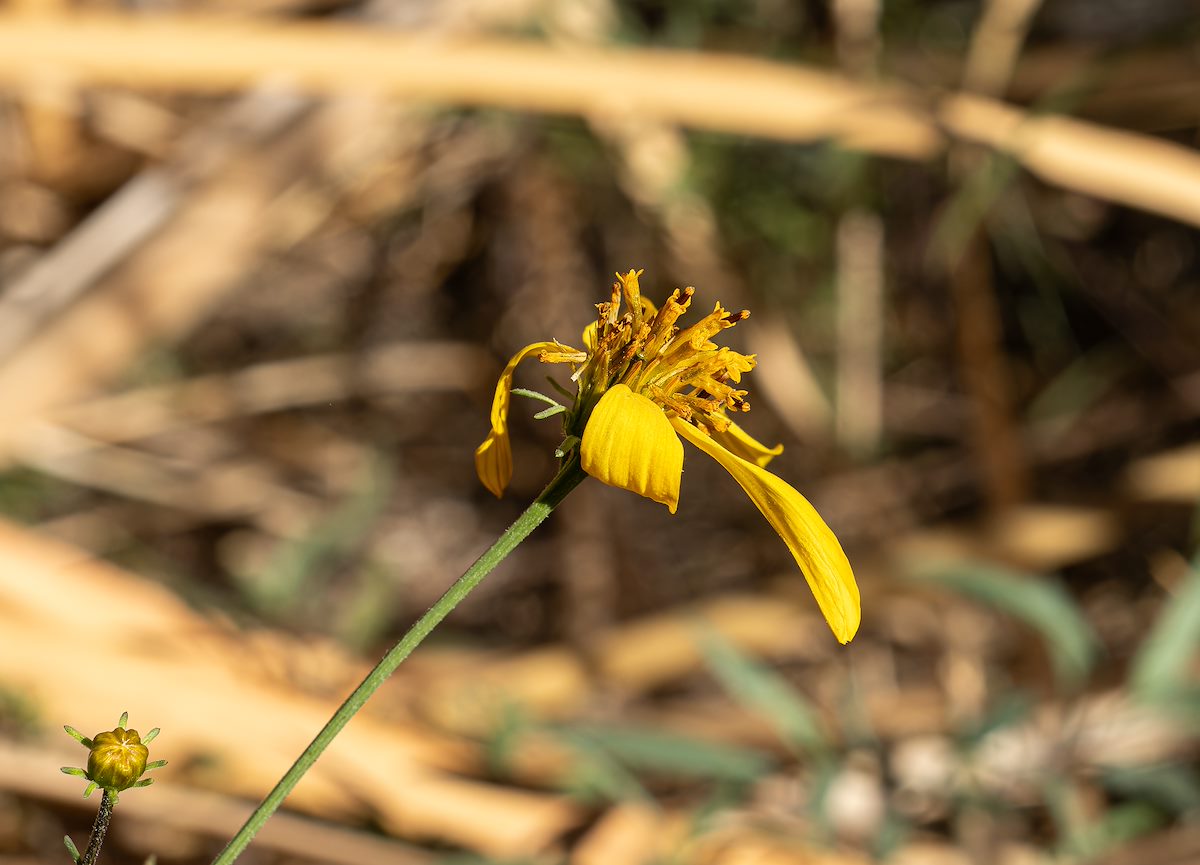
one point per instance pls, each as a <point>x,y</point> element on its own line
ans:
<point>633,292</point>
<point>740,443</point>
<point>629,443</point>
<point>589,332</point>
<point>493,458</point>
<point>812,543</point>
<point>493,462</point>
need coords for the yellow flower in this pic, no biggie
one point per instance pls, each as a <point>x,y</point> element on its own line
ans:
<point>641,385</point>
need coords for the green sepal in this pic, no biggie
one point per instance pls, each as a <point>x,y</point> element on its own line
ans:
<point>533,394</point>
<point>558,387</point>
<point>568,444</point>
<point>77,736</point>
<point>555,406</point>
<point>71,770</point>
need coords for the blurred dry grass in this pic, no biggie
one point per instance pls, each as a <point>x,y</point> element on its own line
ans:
<point>259,264</point>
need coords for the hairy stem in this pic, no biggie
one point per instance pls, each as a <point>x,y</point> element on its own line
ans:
<point>567,479</point>
<point>99,830</point>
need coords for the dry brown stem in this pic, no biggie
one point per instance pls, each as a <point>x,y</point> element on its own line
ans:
<point>723,93</point>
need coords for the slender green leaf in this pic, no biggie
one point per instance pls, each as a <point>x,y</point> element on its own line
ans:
<point>1007,710</point>
<point>1115,828</point>
<point>1161,667</point>
<point>293,571</point>
<point>595,773</point>
<point>670,754</point>
<point>534,394</point>
<point>1038,601</point>
<point>1173,787</point>
<point>766,693</point>
<point>550,412</point>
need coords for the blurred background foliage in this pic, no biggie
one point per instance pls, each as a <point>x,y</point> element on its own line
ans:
<point>253,300</point>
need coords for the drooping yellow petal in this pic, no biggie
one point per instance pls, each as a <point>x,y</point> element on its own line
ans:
<point>740,443</point>
<point>811,542</point>
<point>493,458</point>
<point>629,443</point>
<point>493,462</point>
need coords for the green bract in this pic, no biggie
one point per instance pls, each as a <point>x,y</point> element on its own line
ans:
<point>116,758</point>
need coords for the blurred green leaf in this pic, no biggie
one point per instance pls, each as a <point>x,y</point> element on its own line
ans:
<point>1161,667</point>
<point>766,693</point>
<point>1183,703</point>
<point>668,753</point>
<point>1038,601</point>
<point>597,773</point>
<point>894,832</point>
<point>1006,711</point>
<point>1117,826</point>
<point>821,784</point>
<point>1079,385</point>
<point>369,609</point>
<point>598,776</point>
<point>28,496</point>
<point>970,205</point>
<point>505,736</point>
<point>1173,787</point>
<point>20,719</point>
<point>289,575</point>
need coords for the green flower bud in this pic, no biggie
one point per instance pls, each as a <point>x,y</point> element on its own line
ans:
<point>117,759</point>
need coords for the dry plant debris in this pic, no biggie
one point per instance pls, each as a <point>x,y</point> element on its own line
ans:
<point>259,265</point>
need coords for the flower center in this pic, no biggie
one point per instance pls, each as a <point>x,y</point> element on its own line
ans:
<point>684,372</point>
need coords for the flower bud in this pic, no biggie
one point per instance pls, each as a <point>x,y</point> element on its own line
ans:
<point>117,759</point>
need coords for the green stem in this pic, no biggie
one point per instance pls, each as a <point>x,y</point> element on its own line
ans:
<point>567,479</point>
<point>99,830</point>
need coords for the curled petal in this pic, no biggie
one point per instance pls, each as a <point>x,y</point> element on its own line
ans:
<point>493,462</point>
<point>740,443</point>
<point>633,293</point>
<point>628,443</point>
<point>493,458</point>
<point>811,542</point>
<point>589,333</point>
